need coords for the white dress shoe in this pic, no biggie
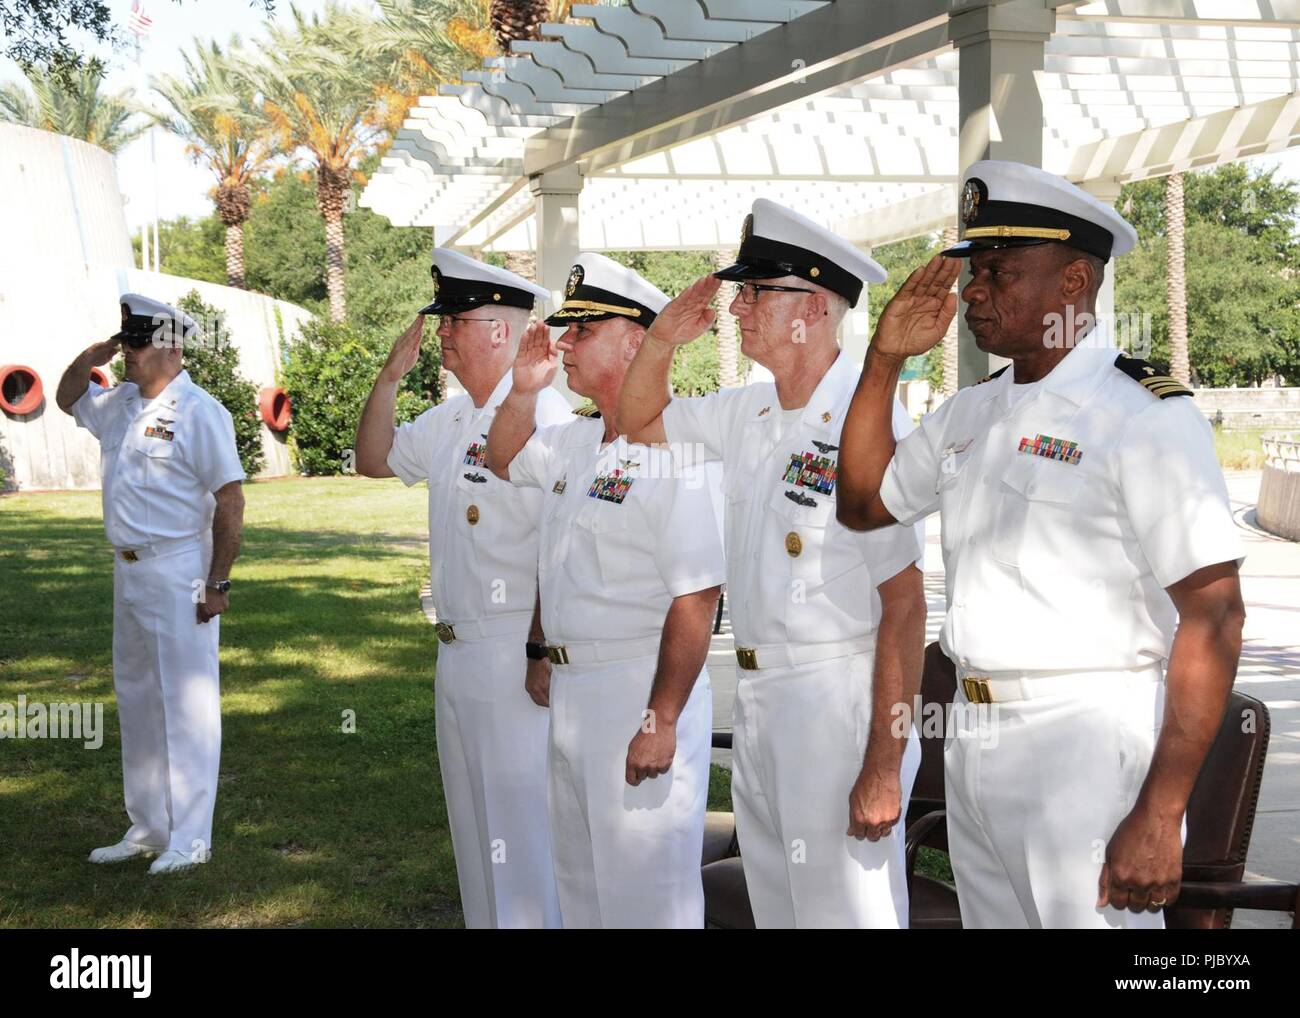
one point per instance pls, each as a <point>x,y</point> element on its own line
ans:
<point>122,851</point>
<point>173,860</point>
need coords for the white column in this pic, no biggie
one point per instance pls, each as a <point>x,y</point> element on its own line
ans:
<point>1107,190</point>
<point>555,199</point>
<point>1000,110</point>
<point>856,332</point>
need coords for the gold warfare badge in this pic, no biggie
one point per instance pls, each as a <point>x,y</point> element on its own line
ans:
<point>973,195</point>
<point>575,280</point>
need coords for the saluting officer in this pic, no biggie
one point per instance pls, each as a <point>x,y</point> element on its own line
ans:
<point>631,566</point>
<point>1091,557</point>
<point>174,514</point>
<point>491,689</point>
<point>829,624</point>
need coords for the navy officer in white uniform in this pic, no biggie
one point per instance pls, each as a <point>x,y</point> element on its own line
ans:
<point>174,514</point>
<point>491,692</point>
<point>829,624</point>
<point>631,568</point>
<point>1094,608</point>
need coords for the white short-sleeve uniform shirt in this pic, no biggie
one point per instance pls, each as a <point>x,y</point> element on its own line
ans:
<point>1066,512</point>
<point>482,531</point>
<point>625,529</point>
<point>794,573</point>
<point>161,460</point>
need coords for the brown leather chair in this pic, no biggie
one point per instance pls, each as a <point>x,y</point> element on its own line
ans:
<point>1220,815</point>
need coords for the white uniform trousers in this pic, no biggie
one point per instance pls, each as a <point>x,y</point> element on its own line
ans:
<point>625,856</point>
<point>1034,791</point>
<point>165,675</point>
<point>800,738</point>
<point>492,755</point>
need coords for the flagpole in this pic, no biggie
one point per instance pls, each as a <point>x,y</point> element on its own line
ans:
<point>144,225</point>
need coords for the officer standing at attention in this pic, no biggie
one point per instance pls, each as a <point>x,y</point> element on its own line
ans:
<point>829,624</point>
<point>174,514</point>
<point>630,566</point>
<point>491,689</point>
<point>1091,558</point>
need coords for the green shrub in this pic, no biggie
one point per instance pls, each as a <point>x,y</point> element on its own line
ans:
<point>328,373</point>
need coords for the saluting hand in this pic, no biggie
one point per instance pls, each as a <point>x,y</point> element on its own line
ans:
<point>688,315</point>
<point>100,353</point>
<point>918,315</point>
<point>405,353</point>
<point>875,803</point>
<point>536,362</point>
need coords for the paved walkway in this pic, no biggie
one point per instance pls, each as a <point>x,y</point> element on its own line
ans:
<point>1269,671</point>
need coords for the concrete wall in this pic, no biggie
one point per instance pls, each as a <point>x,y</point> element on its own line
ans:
<point>65,257</point>
<point>1252,408</point>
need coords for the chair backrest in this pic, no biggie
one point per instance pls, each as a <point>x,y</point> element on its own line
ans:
<point>1221,810</point>
<point>938,687</point>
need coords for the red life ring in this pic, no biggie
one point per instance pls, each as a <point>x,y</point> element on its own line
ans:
<point>276,408</point>
<point>101,378</point>
<point>21,390</point>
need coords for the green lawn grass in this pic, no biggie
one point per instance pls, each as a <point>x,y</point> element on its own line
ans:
<point>1240,450</point>
<point>314,827</point>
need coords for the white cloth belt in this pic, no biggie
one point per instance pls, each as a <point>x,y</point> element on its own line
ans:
<point>784,655</point>
<point>478,629</point>
<point>600,651</point>
<point>156,550</point>
<point>1004,687</point>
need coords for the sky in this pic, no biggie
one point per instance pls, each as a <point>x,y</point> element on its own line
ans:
<point>182,187</point>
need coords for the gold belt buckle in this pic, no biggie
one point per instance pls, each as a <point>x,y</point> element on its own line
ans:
<point>747,658</point>
<point>976,689</point>
<point>558,655</point>
<point>130,556</point>
<point>445,633</point>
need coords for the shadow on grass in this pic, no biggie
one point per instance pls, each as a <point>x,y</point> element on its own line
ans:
<point>314,826</point>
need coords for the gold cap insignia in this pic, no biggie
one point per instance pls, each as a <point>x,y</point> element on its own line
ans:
<point>973,195</point>
<point>575,280</point>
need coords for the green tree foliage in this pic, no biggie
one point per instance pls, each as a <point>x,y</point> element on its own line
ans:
<point>212,360</point>
<point>695,367</point>
<point>328,373</point>
<point>1242,294</point>
<point>71,103</point>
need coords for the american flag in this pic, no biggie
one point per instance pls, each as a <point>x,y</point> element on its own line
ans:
<point>139,22</point>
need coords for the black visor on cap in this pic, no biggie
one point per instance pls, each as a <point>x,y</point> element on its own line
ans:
<point>764,258</point>
<point>453,295</point>
<point>592,304</point>
<point>1002,224</point>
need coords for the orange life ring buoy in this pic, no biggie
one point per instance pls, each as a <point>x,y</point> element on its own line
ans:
<point>101,378</point>
<point>21,390</point>
<point>275,407</point>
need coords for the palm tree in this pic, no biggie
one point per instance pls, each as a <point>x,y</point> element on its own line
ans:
<point>319,96</point>
<point>1176,277</point>
<point>951,343</point>
<point>213,109</point>
<point>424,44</point>
<point>522,19</point>
<point>77,108</point>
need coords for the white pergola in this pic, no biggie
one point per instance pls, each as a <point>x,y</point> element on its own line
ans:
<point>656,124</point>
